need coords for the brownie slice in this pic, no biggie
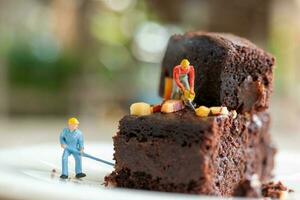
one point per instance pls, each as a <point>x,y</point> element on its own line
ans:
<point>230,71</point>
<point>180,152</point>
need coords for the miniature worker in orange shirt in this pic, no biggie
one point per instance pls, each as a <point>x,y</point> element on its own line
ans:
<point>184,77</point>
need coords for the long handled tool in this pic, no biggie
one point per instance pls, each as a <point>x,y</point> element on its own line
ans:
<point>90,156</point>
<point>189,103</point>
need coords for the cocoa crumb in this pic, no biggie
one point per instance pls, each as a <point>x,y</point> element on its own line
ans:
<point>275,190</point>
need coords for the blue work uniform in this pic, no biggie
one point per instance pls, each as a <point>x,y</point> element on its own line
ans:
<point>73,140</point>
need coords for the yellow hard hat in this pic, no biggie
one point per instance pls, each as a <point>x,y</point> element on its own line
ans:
<point>185,63</point>
<point>73,121</point>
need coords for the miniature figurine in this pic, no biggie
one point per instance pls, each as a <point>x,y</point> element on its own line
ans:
<point>183,87</point>
<point>72,138</point>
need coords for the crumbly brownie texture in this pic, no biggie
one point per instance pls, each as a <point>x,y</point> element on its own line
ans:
<point>180,152</point>
<point>250,187</point>
<point>230,71</point>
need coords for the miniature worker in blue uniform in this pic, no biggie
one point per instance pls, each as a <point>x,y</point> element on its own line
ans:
<point>72,138</point>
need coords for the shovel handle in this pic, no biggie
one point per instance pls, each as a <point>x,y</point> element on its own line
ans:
<point>89,156</point>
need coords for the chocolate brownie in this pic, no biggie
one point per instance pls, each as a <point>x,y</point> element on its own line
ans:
<point>180,152</point>
<point>230,71</point>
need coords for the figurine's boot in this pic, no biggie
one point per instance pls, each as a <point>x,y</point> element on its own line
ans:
<point>80,175</point>
<point>63,176</point>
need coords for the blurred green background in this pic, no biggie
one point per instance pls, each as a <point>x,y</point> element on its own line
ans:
<point>93,58</point>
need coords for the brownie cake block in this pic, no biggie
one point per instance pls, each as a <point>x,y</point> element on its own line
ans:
<point>180,152</point>
<point>229,70</point>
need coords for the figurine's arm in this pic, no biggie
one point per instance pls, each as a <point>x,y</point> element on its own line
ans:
<point>177,80</point>
<point>192,78</point>
<point>62,139</point>
<point>80,143</point>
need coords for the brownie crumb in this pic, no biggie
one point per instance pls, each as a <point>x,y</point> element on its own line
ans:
<point>109,181</point>
<point>53,173</point>
<point>275,190</point>
<point>290,191</point>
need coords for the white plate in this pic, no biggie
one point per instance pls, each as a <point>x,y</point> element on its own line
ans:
<point>26,173</point>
